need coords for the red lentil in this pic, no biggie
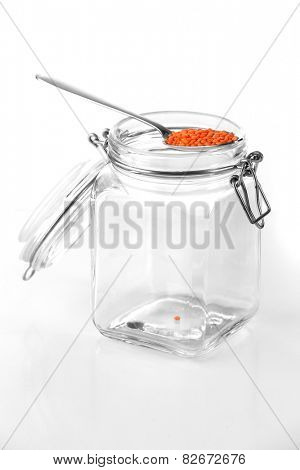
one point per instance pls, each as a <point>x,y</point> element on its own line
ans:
<point>200,137</point>
<point>177,317</point>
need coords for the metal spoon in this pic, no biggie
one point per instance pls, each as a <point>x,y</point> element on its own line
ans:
<point>163,130</point>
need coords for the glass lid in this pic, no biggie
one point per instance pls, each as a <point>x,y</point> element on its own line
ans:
<point>48,231</point>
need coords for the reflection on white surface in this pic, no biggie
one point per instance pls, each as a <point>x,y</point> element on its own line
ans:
<point>110,395</point>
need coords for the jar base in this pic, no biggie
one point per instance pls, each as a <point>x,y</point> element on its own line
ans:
<point>180,325</point>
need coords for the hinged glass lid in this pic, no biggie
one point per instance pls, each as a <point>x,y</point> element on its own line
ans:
<point>48,231</point>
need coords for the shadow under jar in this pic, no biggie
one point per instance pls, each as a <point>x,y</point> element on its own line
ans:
<point>174,233</point>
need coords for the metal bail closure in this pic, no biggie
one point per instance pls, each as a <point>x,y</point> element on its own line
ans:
<point>248,168</point>
<point>102,141</point>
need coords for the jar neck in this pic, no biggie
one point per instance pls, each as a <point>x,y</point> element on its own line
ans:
<point>195,166</point>
<point>173,183</point>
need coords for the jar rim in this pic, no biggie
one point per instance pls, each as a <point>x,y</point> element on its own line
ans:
<point>170,158</point>
<point>189,150</point>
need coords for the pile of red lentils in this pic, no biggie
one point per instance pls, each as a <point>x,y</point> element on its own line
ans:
<point>200,137</point>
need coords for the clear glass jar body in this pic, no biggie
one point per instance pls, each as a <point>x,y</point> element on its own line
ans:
<point>175,261</point>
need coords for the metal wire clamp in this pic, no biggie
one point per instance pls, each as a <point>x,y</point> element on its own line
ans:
<point>103,140</point>
<point>248,167</point>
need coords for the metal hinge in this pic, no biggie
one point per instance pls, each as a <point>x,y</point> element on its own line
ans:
<point>103,140</point>
<point>248,167</point>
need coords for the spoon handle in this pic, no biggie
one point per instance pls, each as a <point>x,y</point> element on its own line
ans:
<point>76,91</point>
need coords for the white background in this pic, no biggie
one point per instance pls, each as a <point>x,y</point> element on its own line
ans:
<point>147,55</point>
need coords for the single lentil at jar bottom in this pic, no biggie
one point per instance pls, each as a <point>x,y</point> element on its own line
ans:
<point>200,137</point>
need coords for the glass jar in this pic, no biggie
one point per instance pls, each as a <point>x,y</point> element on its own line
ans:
<point>175,238</point>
